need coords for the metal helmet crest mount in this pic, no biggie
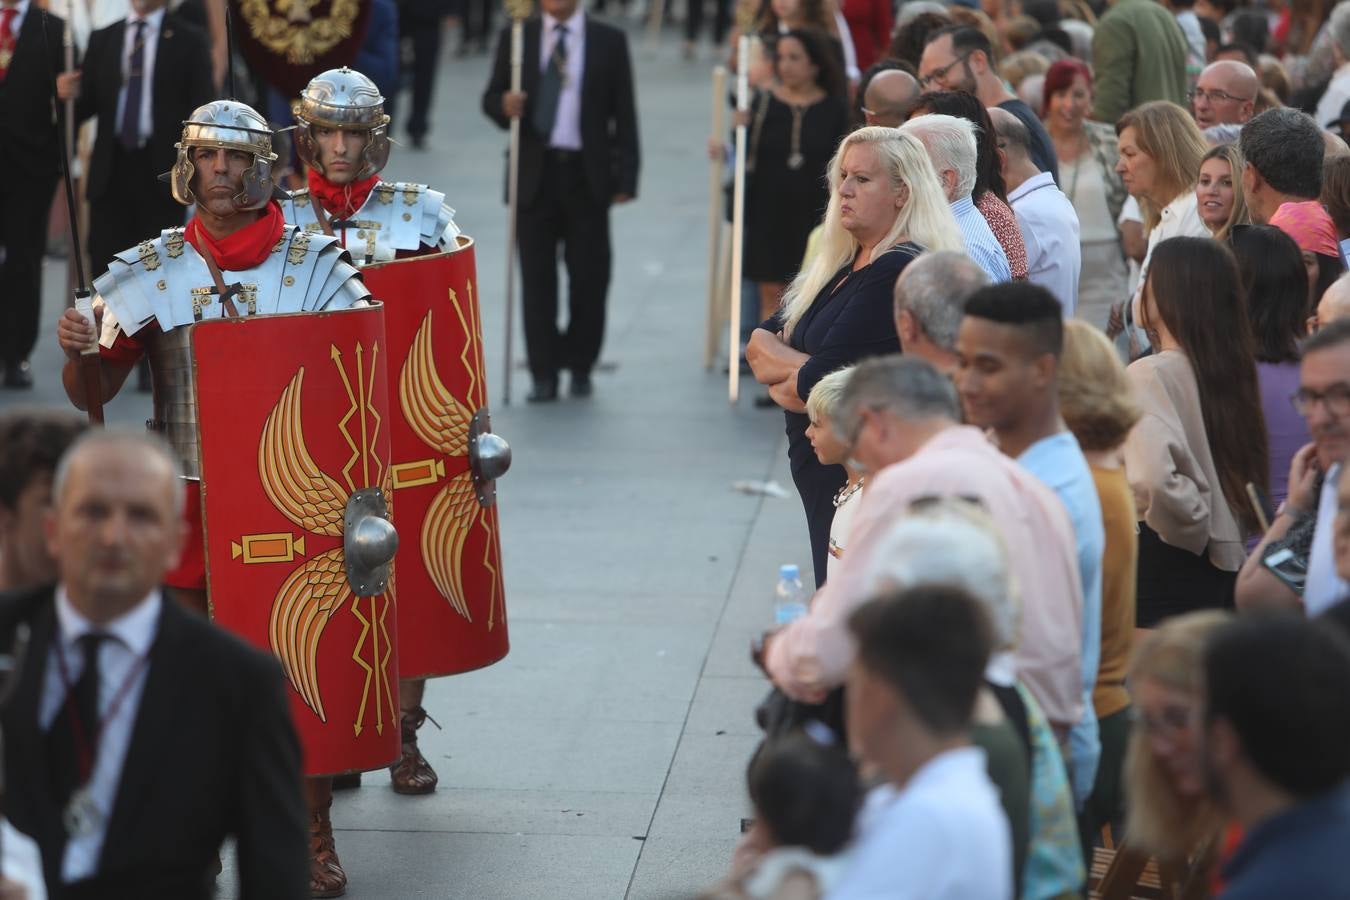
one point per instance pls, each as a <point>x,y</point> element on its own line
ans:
<point>345,100</point>
<point>227,125</point>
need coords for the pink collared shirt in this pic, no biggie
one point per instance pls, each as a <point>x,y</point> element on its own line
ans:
<point>811,656</point>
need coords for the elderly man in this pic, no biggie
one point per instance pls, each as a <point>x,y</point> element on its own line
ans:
<point>1334,305</point>
<point>1338,91</point>
<point>929,296</point>
<point>1225,94</point>
<point>1283,149</point>
<point>951,145</point>
<point>1303,529</point>
<point>960,58</point>
<point>901,415</point>
<point>1045,216</point>
<point>889,97</point>
<point>192,736</point>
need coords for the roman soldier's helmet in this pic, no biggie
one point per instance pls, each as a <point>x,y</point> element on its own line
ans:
<point>347,100</point>
<point>228,125</point>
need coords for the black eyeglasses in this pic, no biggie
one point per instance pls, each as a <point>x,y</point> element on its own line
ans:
<point>1336,398</point>
<point>941,74</point>
<point>1214,96</point>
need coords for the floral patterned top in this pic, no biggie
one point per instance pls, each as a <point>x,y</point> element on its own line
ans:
<point>1003,224</point>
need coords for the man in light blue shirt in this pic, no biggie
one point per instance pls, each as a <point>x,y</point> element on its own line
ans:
<point>1008,350</point>
<point>950,142</point>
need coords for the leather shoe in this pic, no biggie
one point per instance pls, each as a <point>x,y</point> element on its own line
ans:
<point>18,375</point>
<point>543,392</point>
<point>581,385</point>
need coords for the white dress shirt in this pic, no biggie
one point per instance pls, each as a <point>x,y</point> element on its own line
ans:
<point>1336,96</point>
<point>567,126</point>
<point>943,836</point>
<point>16,23</point>
<point>130,638</point>
<point>1049,227</point>
<point>1323,587</point>
<point>153,23</point>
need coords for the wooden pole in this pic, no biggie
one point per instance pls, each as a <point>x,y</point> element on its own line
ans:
<point>517,10</point>
<point>719,108</point>
<point>738,221</point>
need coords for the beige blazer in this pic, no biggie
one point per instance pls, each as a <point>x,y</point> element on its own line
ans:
<point>1168,463</point>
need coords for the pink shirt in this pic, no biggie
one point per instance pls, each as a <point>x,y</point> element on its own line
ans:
<point>812,655</point>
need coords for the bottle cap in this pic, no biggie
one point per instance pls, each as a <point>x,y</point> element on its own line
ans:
<point>789,572</point>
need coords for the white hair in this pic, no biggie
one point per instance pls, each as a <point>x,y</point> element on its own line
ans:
<point>926,219</point>
<point>950,142</point>
<point>1032,90</point>
<point>823,400</point>
<point>951,542</point>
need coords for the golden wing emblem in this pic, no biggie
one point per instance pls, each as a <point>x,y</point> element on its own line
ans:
<point>437,418</point>
<point>447,524</point>
<point>307,600</point>
<point>291,478</point>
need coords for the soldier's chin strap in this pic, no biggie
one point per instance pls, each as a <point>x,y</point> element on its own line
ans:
<point>223,292</point>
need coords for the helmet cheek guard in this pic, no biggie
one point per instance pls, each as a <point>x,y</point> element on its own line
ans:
<point>180,177</point>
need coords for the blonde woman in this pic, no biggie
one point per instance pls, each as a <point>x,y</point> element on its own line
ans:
<point>1097,405</point>
<point>1218,192</point>
<point>886,206</point>
<point>831,451</point>
<point>1170,814</point>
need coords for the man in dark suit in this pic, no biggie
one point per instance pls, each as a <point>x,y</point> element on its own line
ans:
<point>578,154</point>
<point>31,163</point>
<point>142,77</point>
<point>138,736</point>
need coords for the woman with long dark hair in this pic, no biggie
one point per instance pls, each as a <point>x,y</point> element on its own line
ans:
<point>1276,284</point>
<point>1202,437</point>
<point>990,194</point>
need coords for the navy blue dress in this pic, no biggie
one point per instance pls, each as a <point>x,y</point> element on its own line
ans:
<point>849,320</point>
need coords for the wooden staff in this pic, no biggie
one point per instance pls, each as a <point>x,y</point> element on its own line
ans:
<point>518,10</point>
<point>738,220</point>
<point>719,107</point>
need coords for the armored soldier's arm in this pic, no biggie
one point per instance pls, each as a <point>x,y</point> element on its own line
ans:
<point>343,288</point>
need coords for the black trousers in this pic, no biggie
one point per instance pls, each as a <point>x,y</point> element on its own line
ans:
<point>817,486</point>
<point>564,214</point>
<point>25,207</point>
<point>134,206</point>
<point>693,20</point>
<point>425,34</point>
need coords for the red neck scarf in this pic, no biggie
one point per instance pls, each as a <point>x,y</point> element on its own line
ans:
<point>247,247</point>
<point>341,201</point>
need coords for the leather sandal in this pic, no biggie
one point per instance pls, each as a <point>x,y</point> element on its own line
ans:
<point>326,877</point>
<point>412,774</point>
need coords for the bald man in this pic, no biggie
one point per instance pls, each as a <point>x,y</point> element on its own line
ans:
<point>1225,94</point>
<point>1335,303</point>
<point>1336,146</point>
<point>889,97</point>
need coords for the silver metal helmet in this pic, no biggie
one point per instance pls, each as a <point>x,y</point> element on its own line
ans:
<point>347,100</point>
<point>227,125</point>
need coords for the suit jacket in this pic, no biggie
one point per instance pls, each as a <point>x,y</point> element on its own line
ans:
<point>609,134</point>
<point>212,753</point>
<point>181,83</point>
<point>29,148</point>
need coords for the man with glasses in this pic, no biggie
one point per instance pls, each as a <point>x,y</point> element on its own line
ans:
<point>1302,534</point>
<point>1225,94</point>
<point>1138,55</point>
<point>960,58</point>
<point>899,416</point>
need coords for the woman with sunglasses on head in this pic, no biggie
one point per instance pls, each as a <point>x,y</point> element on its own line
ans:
<point>1202,437</point>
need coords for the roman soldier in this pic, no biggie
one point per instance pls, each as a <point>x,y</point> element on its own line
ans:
<point>237,257</point>
<point>342,136</point>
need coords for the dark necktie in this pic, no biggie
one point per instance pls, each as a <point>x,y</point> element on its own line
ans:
<point>551,84</point>
<point>66,742</point>
<point>129,129</point>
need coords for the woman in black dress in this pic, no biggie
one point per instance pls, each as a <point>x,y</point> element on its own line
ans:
<point>795,124</point>
<point>886,206</point>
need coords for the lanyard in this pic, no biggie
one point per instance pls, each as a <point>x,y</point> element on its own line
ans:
<point>86,751</point>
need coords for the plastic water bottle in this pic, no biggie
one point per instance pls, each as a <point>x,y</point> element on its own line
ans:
<point>789,598</point>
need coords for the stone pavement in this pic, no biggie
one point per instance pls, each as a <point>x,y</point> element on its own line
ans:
<point>604,757</point>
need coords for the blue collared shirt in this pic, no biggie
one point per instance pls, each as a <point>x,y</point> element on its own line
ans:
<point>981,245</point>
<point>1060,464</point>
<point>1297,853</point>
